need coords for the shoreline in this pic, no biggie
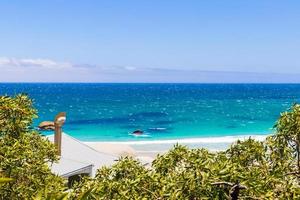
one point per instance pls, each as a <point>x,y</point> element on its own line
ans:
<point>211,139</point>
<point>150,149</point>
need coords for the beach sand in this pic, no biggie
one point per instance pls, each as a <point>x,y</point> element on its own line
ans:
<point>146,151</point>
<point>121,150</point>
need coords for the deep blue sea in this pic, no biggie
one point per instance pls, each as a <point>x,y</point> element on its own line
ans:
<point>110,112</point>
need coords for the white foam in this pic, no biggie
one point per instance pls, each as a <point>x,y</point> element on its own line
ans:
<point>137,135</point>
<point>202,140</point>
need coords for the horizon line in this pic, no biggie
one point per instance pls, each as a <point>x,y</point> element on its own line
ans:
<point>208,83</point>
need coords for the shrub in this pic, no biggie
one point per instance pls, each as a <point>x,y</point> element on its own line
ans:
<point>249,169</point>
<point>24,154</point>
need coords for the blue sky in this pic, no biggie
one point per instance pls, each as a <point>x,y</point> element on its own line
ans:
<point>150,41</point>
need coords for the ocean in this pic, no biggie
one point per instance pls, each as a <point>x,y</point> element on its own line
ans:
<point>111,112</point>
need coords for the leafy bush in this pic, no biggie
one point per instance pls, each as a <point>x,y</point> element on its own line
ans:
<point>243,171</point>
<point>249,169</point>
<point>24,153</point>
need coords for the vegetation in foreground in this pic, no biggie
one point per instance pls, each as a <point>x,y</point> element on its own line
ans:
<point>247,170</point>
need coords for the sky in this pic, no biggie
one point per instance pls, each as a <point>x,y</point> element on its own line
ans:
<point>150,41</point>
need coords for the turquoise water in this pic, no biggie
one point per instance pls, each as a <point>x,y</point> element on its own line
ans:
<point>110,112</point>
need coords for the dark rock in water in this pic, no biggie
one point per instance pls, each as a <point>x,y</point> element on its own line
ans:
<point>46,125</point>
<point>138,132</point>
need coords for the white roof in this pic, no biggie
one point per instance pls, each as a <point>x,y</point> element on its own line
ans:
<point>77,157</point>
<point>67,167</point>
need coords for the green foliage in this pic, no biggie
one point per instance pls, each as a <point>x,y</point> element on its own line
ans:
<point>242,171</point>
<point>249,169</point>
<point>25,156</point>
<point>127,179</point>
<point>287,140</point>
<point>44,195</point>
<point>5,180</point>
<point>16,115</point>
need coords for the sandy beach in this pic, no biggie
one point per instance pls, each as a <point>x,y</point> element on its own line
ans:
<point>148,150</point>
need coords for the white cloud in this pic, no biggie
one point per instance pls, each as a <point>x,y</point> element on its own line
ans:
<point>52,64</point>
<point>5,61</point>
<point>48,70</point>
<point>29,62</point>
<point>130,68</point>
